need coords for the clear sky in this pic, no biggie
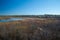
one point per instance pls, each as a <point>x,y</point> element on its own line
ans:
<point>29,7</point>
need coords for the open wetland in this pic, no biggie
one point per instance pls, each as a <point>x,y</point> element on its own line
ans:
<point>14,28</point>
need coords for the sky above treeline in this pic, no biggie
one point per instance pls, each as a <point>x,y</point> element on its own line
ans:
<point>29,7</point>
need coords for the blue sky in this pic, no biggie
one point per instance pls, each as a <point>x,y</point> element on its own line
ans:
<point>29,7</point>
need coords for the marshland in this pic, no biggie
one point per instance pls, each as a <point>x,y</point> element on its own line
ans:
<point>29,28</point>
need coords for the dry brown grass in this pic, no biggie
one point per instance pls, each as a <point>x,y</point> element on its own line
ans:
<point>28,29</point>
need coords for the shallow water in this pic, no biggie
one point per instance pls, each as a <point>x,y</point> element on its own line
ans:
<point>11,19</point>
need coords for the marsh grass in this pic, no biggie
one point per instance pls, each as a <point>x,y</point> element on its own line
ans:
<point>30,30</point>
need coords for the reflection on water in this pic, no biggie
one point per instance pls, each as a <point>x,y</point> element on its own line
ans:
<point>11,19</point>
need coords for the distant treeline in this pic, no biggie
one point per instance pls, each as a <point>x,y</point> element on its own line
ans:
<point>35,16</point>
